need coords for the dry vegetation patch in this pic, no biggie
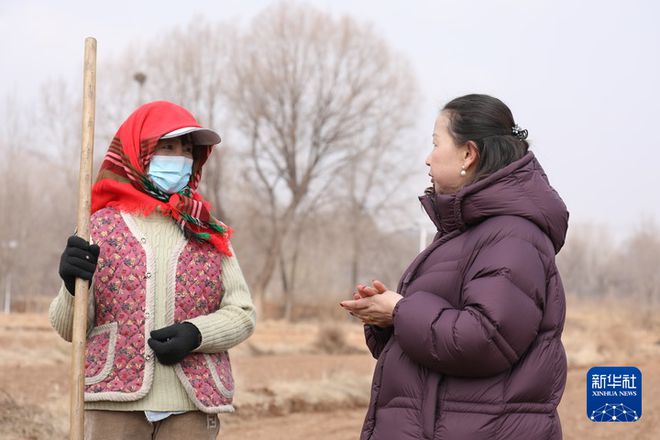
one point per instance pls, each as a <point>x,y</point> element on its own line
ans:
<point>25,421</point>
<point>609,331</point>
<point>317,369</point>
<point>339,390</point>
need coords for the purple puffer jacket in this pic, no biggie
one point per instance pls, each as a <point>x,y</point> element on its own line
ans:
<point>475,351</point>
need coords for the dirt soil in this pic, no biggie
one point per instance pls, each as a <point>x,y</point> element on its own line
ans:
<point>290,389</point>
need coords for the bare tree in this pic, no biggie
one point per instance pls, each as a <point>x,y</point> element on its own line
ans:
<point>184,66</point>
<point>638,265</point>
<point>188,67</point>
<point>309,90</point>
<point>12,193</point>
<point>315,104</point>
<point>584,262</point>
<point>35,192</point>
<point>372,183</point>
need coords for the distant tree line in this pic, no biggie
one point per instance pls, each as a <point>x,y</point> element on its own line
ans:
<point>315,112</point>
<point>593,265</point>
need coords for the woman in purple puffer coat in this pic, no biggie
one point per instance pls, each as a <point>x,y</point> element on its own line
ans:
<point>469,346</point>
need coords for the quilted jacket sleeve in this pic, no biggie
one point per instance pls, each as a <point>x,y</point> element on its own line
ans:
<point>376,338</point>
<point>500,315</point>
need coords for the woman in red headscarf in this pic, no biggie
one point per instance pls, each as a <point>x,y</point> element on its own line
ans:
<point>168,296</point>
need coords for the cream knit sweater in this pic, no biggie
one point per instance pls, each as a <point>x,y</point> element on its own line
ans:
<point>230,325</point>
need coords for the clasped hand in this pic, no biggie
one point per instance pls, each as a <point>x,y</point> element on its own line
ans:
<point>373,304</point>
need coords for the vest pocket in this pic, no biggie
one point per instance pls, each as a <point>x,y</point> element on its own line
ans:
<point>218,364</point>
<point>100,352</point>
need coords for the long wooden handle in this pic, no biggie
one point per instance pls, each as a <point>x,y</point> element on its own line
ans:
<point>77,408</point>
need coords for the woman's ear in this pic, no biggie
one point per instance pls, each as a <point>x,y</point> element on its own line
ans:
<point>470,155</point>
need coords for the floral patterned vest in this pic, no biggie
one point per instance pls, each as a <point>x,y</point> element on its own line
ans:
<point>119,363</point>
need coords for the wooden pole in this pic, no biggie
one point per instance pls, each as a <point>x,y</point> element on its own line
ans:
<point>77,408</point>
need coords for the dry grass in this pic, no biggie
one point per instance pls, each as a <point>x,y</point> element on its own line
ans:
<point>24,421</point>
<point>338,390</point>
<point>609,332</point>
<point>274,338</point>
<point>303,368</point>
<point>332,338</point>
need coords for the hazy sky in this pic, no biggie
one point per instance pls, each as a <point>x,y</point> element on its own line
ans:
<point>581,76</point>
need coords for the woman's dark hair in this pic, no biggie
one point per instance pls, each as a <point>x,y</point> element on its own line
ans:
<point>487,122</point>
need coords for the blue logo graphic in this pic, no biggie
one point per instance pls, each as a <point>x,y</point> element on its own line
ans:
<point>614,394</point>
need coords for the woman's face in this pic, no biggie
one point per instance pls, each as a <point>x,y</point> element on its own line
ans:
<point>178,146</point>
<point>447,159</point>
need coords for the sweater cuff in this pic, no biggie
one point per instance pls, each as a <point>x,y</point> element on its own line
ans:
<point>60,313</point>
<point>64,302</point>
<point>214,333</point>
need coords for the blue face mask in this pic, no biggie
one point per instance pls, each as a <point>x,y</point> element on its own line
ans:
<point>170,173</point>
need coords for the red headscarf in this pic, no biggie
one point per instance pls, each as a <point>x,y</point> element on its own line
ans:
<point>122,181</point>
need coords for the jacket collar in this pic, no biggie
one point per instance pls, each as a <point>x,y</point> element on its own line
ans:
<point>519,189</point>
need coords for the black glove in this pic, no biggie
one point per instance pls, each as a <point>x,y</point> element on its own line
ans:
<point>174,342</point>
<point>78,261</point>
